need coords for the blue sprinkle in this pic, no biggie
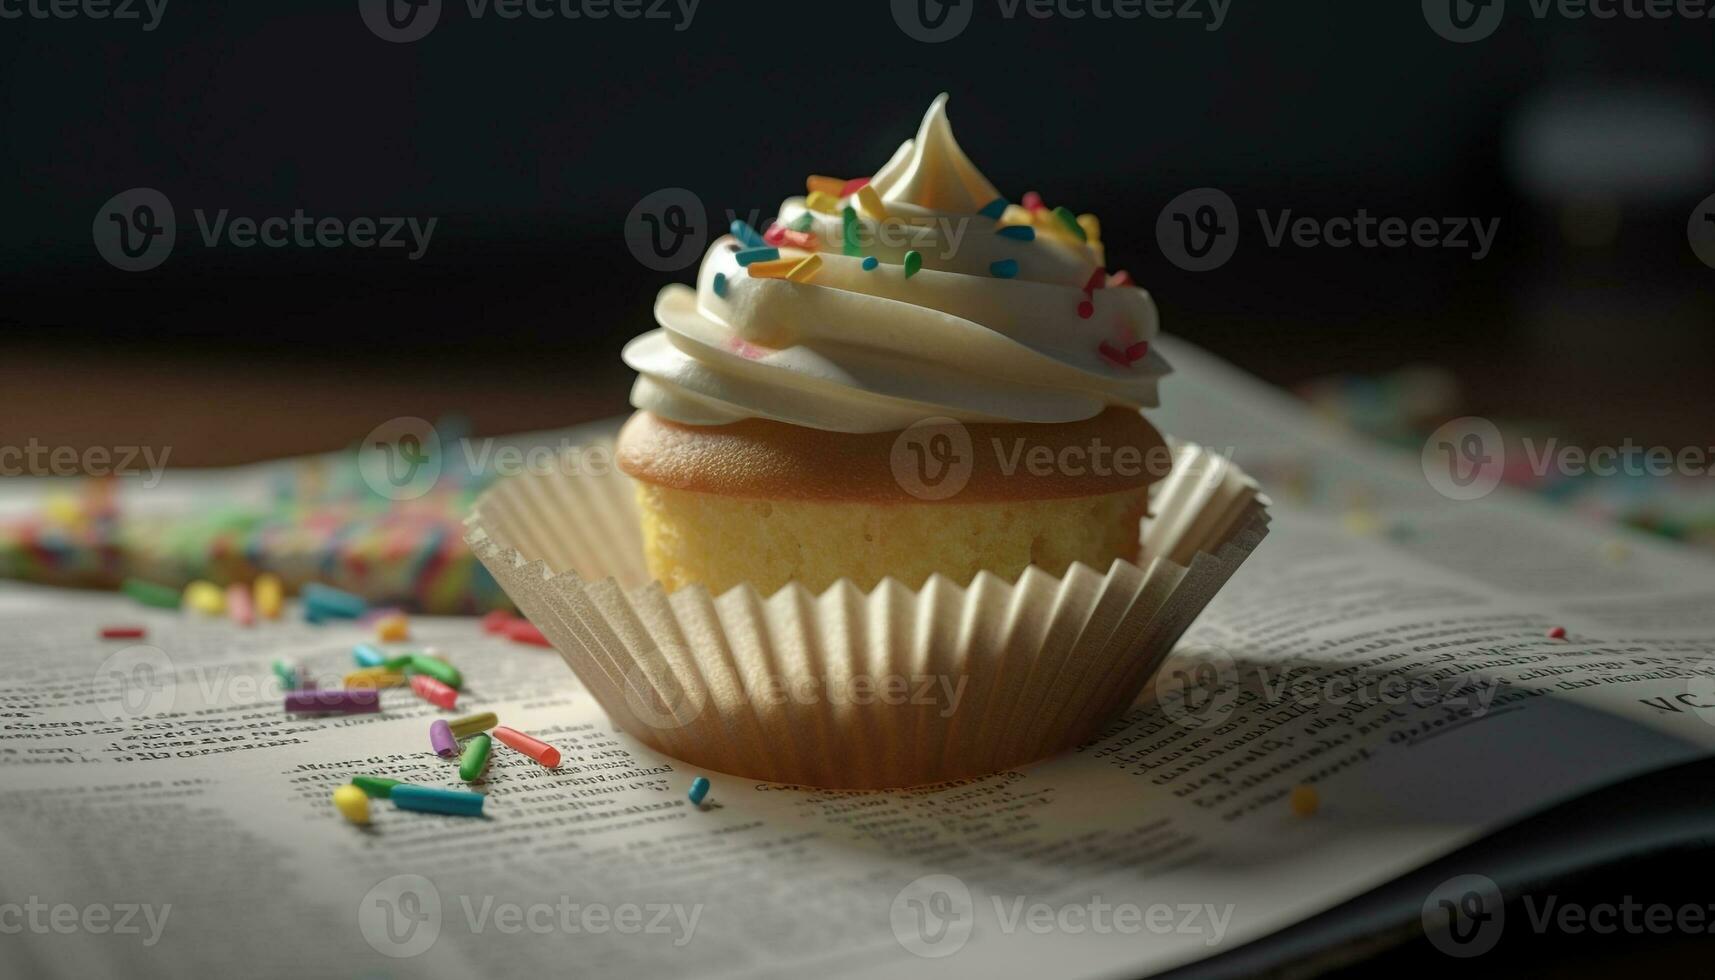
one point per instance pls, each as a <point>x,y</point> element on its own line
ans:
<point>368,656</point>
<point>870,262</point>
<point>1023,233</point>
<point>1004,269</point>
<point>994,209</point>
<point>699,789</point>
<point>761,254</point>
<point>747,234</point>
<point>720,284</point>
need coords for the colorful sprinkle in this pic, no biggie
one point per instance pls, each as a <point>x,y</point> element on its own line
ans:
<point>913,262</point>
<point>1004,269</point>
<point>239,606</point>
<point>817,184</point>
<point>761,253</point>
<point>1086,309</point>
<point>1070,220</point>
<point>434,692</point>
<point>393,629</point>
<point>1033,201</point>
<point>773,268</point>
<point>429,799</point>
<point>528,745</point>
<point>440,670</point>
<point>499,619</point>
<point>1557,633</point>
<point>798,239</point>
<point>720,290</point>
<point>994,209</point>
<point>441,739</point>
<point>849,230</point>
<point>870,262</point>
<point>805,269</point>
<point>1097,280</point>
<point>324,601</point>
<point>471,724</point>
<point>474,762</point>
<point>287,673</point>
<point>1119,279</point>
<point>352,804</point>
<point>205,597</point>
<point>334,701</point>
<point>746,234</point>
<point>1305,801</point>
<point>871,202</point>
<point>804,222</point>
<point>699,790</point>
<point>122,632</point>
<point>525,631</point>
<point>1022,233</point>
<point>775,235</point>
<point>375,677</point>
<point>151,594</point>
<point>853,186</point>
<point>1092,227</point>
<point>1137,351</point>
<point>825,203</point>
<point>375,786</point>
<point>365,655</point>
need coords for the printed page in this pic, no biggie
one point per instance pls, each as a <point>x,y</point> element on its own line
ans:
<point>160,814</point>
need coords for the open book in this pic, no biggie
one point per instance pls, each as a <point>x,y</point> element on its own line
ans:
<point>161,816</point>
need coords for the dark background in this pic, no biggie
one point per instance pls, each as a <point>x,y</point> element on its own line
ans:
<point>531,140</point>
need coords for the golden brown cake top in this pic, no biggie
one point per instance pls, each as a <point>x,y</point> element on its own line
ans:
<point>936,461</point>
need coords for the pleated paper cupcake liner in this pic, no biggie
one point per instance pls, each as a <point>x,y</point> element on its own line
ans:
<point>850,689</point>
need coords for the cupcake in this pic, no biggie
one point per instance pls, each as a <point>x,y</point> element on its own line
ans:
<point>903,376</point>
<point>888,511</point>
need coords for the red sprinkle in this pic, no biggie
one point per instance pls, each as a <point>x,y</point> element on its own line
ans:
<point>1557,633</point>
<point>853,186</point>
<point>524,631</point>
<point>775,234</point>
<point>1120,278</point>
<point>1113,353</point>
<point>1033,201</point>
<point>122,632</point>
<point>1136,351</point>
<point>1086,309</point>
<point>497,621</point>
<point>1097,280</point>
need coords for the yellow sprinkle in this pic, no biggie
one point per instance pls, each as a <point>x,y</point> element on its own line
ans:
<point>773,268</point>
<point>376,677</point>
<point>1015,215</point>
<point>1092,227</point>
<point>392,629</point>
<point>205,597</point>
<point>63,508</point>
<point>823,202</point>
<point>1305,802</point>
<point>352,803</point>
<point>805,269</point>
<point>831,186</point>
<point>269,595</point>
<point>870,201</point>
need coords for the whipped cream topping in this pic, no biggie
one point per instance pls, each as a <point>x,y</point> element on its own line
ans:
<point>993,327</point>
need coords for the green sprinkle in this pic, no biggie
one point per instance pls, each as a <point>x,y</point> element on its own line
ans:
<point>803,222</point>
<point>287,673</point>
<point>849,230</point>
<point>913,262</point>
<point>375,786</point>
<point>151,594</point>
<point>475,758</point>
<point>440,670</point>
<point>1070,220</point>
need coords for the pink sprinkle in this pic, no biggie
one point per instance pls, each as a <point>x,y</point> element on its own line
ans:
<point>1097,279</point>
<point>1557,633</point>
<point>746,349</point>
<point>1033,201</point>
<point>497,621</point>
<point>1120,278</point>
<point>1086,309</point>
<point>775,234</point>
<point>853,186</point>
<point>798,239</point>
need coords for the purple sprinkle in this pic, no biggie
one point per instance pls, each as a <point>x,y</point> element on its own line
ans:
<point>347,701</point>
<point>441,738</point>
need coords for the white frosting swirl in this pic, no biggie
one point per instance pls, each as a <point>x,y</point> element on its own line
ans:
<point>856,350</point>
